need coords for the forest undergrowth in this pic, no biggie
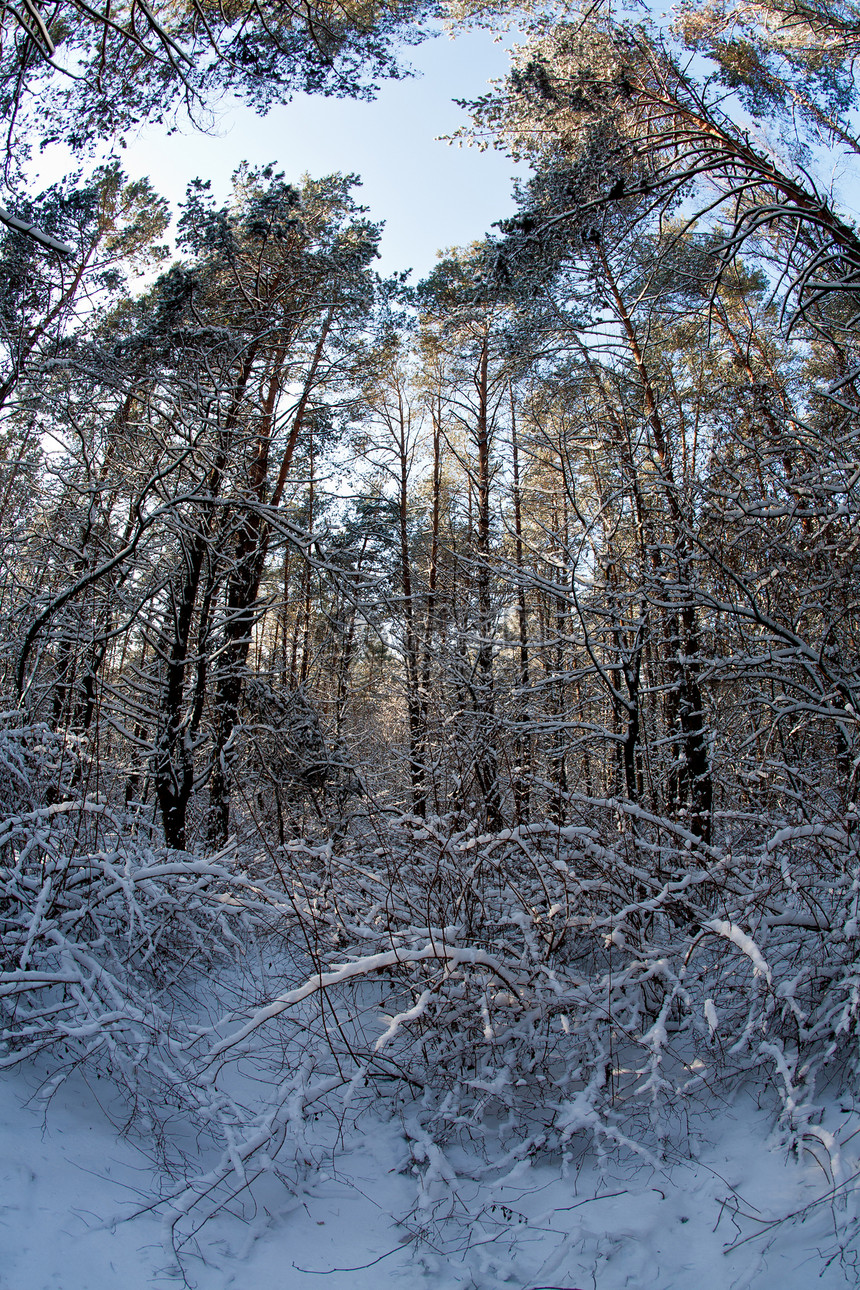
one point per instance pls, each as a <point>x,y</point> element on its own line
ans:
<point>526,995</point>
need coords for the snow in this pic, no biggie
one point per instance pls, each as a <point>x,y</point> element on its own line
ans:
<point>215,1079</point>
<point>743,942</point>
<point>379,1203</point>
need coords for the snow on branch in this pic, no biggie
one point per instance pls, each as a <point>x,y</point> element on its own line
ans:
<point>37,234</point>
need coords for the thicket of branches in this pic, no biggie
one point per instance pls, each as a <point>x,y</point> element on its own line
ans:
<point>484,653</point>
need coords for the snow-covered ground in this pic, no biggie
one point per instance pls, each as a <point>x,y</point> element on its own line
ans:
<point>358,1208</point>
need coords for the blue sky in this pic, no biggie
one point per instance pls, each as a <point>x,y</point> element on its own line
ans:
<point>430,195</point>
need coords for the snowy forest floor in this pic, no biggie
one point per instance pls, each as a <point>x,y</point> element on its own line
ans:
<point>353,1215</point>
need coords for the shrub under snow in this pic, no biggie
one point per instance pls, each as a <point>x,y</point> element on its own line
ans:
<point>529,990</point>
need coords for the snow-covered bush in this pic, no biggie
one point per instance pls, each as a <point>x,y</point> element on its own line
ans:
<point>539,989</point>
<point>103,931</point>
<point>544,982</point>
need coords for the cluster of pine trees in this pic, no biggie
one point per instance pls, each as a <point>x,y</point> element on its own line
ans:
<point>496,637</point>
